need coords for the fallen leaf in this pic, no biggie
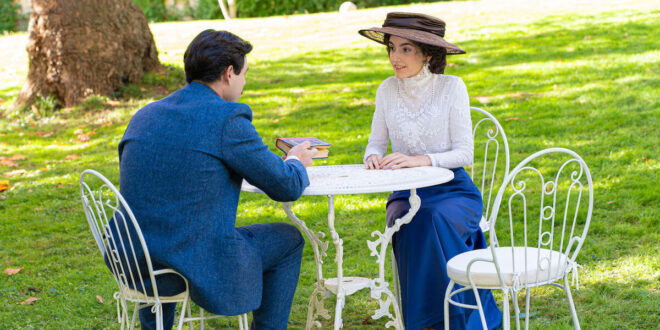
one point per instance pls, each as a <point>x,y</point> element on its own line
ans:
<point>100,299</point>
<point>12,271</point>
<point>78,131</point>
<point>71,157</point>
<point>14,173</point>
<point>29,301</point>
<point>4,185</point>
<point>367,320</point>
<point>511,118</point>
<point>7,162</point>
<point>645,159</point>
<point>36,111</point>
<point>113,103</point>
<point>83,137</point>
<point>17,157</point>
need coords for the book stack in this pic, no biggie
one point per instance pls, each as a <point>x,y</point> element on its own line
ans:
<point>285,144</point>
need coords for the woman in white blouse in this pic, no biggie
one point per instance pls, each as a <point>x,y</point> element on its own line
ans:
<point>426,116</point>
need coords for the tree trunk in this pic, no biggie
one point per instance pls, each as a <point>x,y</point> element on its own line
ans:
<point>78,48</point>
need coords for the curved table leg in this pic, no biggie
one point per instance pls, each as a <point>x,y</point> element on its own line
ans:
<point>315,307</point>
<point>378,249</point>
<point>339,259</point>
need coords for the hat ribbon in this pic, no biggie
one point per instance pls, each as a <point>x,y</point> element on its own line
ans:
<point>416,24</point>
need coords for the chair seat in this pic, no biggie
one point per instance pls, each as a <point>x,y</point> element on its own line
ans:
<point>536,271</point>
<point>134,295</point>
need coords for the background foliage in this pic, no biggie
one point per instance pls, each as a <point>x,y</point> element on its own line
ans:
<point>156,11</point>
<point>9,15</point>
<point>260,8</point>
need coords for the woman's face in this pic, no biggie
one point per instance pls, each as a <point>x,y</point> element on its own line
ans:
<point>407,58</point>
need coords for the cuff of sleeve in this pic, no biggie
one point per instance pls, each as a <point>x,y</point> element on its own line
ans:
<point>434,162</point>
<point>292,157</point>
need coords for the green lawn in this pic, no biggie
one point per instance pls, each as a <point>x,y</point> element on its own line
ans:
<point>582,75</point>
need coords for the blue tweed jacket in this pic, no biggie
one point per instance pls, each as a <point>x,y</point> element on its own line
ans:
<point>182,161</point>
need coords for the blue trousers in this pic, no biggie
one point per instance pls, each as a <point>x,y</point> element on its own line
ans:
<point>281,248</point>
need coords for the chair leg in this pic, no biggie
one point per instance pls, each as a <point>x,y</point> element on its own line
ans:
<point>450,287</point>
<point>243,322</point>
<point>527,304</point>
<point>182,317</point>
<point>135,312</point>
<point>576,323</point>
<point>516,309</point>
<point>190,323</point>
<point>506,317</point>
<point>481,309</point>
<point>159,317</point>
<point>201,315</point>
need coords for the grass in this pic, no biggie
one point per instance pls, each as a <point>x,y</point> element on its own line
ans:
<point>580,75</point>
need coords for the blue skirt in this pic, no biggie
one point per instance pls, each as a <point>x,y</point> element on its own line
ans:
<point>446,225</point>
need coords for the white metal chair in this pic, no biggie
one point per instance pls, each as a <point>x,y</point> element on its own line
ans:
<point>549,211</point>
<point>491,158</point>
<point>113,225</point>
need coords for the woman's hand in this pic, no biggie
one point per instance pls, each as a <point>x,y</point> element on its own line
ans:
<point>373,162</point>
<point>399,160</point>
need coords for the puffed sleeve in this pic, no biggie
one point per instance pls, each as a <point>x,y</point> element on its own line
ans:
<point>244,152</point>
<point>379,136</point>
<point>460,131</point>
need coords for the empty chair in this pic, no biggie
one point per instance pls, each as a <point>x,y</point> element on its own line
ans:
<point>539,221</point>
<point>118,236</point>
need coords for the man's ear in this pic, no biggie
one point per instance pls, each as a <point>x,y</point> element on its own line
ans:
<point>229,72</point>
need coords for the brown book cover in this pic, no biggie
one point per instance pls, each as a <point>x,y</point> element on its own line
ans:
<point>285,144</point>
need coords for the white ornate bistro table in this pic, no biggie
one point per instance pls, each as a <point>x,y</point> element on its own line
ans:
<point>355,179</point>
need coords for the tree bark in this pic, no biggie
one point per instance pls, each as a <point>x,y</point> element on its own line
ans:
<point>77,48</point>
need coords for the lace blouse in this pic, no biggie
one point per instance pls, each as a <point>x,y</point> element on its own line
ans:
<point>428,114</point>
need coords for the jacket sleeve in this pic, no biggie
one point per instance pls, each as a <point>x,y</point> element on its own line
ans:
<point>243,151</point>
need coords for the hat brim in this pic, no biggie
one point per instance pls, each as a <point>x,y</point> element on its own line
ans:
<point>378,35</point>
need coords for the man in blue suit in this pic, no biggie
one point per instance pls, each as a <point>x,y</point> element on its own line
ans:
<point>182,161</point>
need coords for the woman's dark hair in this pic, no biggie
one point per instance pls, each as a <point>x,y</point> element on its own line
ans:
<point>211,52</point>
<point>438,55</point>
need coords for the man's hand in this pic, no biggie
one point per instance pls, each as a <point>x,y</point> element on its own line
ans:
<point>373,162</point>
<point>399,160</point>
<point>303,153</point>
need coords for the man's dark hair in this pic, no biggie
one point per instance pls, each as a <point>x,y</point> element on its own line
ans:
<point>438,55</point>
<point>211,53</point>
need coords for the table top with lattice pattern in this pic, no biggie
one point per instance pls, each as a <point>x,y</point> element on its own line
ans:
<point>355,179</point>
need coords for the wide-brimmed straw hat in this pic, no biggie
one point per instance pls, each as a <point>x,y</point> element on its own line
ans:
<point>416,27</point>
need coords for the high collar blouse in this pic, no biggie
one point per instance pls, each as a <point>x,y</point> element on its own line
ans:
<point>428,114</point>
